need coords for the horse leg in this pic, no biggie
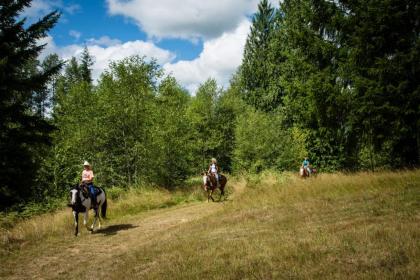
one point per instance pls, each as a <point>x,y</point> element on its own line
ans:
<point>94,219</point>
<point>222,192</point>
<point>76,223</point>
<point>99,216</point>
<point>86,219</point>
<point>211,195</point>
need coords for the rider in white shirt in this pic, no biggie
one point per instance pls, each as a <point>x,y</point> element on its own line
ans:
<point>214,169</point>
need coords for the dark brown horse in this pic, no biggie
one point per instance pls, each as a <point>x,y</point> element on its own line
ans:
<point>210,184</point>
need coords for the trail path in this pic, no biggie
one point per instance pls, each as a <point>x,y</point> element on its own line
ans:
<point>107,247</point>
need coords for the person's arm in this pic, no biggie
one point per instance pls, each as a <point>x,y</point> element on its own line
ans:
<point>91,176</point>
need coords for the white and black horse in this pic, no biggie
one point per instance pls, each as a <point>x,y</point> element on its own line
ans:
<point>81,203</point>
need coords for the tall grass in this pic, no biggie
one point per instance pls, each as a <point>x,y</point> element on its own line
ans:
<point>122,203</point>
<point>276,226</point>
<point>358,226</point>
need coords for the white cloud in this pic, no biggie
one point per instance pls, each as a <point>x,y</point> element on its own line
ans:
<point>219,60</point>
<point>75,34</point>
<point>187,19</point>
<point>103,55</point>
<point>40,8</point>
<point>104,41</point>
<point>224,37</point>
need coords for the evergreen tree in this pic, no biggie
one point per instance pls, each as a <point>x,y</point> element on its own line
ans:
<point>86,63</point>
<point>256,64</point>
<point>22,132</point>
<point>384,66</point>
<point>51,88</point>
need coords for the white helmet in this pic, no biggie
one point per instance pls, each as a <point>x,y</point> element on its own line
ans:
<point>86,163</point>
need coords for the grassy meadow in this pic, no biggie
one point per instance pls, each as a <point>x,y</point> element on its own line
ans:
<point>273,226</point>
<point>122,204</point>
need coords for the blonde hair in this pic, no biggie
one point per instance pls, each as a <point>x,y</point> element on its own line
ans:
<point>213,160</point>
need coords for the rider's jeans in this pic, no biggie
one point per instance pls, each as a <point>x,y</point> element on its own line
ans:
<point>92,191</point>
<point>217,177</point>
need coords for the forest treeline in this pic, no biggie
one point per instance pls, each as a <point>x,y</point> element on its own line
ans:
<point>337,81</point>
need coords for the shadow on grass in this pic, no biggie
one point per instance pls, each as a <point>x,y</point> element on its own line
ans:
<point>114,229</point>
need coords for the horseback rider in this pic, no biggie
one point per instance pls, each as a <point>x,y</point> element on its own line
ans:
<point>306,165</point>
<point>87,179</point>
<point>214,170</point>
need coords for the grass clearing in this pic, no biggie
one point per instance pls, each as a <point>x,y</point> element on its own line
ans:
<point>333,226</point>
<point>352,226</point>
<point>122,204</point>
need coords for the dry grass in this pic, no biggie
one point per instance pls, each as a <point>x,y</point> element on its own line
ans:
<point>125,203</point>
<point>359,226</point>
<point>333,226</point>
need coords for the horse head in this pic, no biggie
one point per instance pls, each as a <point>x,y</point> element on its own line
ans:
<point>74,194</point>
<point>205,178</point>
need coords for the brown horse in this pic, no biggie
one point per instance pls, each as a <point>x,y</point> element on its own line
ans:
<point>210,184</point>
<point>304,173</point>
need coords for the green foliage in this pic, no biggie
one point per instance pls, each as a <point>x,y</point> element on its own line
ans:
<point>332,80</point>
<point>262,143</point>
<point>171,130</point>
<point>204,125</point>
<point>344,72</point>
<point>254,72</point>
<point>23,133</point>
<point>86,66</point>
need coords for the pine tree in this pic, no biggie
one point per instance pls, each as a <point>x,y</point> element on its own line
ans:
<point>85,66</point>
<point>51,87</point>
<point>22,132</point>
<point>255,64</point>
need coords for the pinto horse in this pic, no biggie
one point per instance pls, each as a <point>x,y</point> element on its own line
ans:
<point>81,203</point>
<point>210,184</point>
<point>304,173</point>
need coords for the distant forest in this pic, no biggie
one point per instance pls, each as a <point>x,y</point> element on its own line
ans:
<point>336,81</point>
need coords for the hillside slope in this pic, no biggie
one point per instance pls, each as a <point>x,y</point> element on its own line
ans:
<point>275,227</point>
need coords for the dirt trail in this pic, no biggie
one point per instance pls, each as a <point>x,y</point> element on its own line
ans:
<point>57,258</point>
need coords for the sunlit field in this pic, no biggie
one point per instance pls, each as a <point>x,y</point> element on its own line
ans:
<point>272,226</point>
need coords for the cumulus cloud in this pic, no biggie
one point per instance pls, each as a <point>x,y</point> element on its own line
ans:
<point>219,59</point>
<point>104,41</point>
<point>222,25</point>
<point>187,19</point>
<point>104,54</point>
<point>40,8</point>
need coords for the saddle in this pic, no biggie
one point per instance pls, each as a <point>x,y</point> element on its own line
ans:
<point>85,190</point>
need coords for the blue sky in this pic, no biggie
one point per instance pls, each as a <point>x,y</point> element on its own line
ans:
<point>192,39</point>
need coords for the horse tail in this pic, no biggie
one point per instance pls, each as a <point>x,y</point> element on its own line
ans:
<point>103,208</point>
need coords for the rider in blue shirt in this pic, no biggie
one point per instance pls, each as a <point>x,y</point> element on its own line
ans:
<point>306,165</point>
